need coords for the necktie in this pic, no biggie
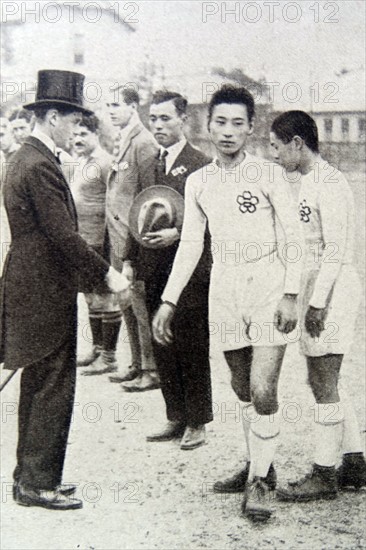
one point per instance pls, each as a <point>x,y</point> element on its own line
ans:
<point>57,155</point>
<point>161,164</point>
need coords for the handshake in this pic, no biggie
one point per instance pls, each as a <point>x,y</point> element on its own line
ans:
<point>118,282</point>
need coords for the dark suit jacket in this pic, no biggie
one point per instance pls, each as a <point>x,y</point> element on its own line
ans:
<point>154,265</point>
<point>46,258</point>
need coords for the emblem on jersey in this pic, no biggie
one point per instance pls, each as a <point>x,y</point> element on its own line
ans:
<point>247,202</point>
<point>305,211</point>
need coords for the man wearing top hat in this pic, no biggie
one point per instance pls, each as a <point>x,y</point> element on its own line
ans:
<point>183,366</point>
<point>38,312</point>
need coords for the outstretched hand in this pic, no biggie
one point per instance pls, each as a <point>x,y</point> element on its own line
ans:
<point>117,282</point>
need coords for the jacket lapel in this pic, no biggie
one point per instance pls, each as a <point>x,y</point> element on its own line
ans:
<point>34,142</point>
<point>37,144</point>
<point>127,142</point>
<point>182,159</point>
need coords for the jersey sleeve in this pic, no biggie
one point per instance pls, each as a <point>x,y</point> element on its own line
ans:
<point>334,204</point>
<point>191,243</point>
<point>292,251</point>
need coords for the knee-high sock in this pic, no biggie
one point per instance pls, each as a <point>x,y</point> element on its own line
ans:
<point>328,432</point>
<point>247,411</point>
<point>111,328</point>
<point>351,438</point>
<point>95,322</point>
<point>263,438</point>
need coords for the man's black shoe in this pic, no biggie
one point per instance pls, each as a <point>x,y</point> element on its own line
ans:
<point>321,483</point>
<point>237,483</point>
<point>65,489</point>
<point>130,373</point>
<point>52,500</point>
<point>352,472</point>
<point>172,430</point>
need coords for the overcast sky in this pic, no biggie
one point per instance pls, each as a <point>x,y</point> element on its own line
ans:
<point>324,38</point>
<point>306,42</point>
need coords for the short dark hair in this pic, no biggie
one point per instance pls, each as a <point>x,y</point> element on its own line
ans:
<point>40,111</point>
<point>232,94</point>
<point>180,102</point>
<point>296,123</point>
<point>21,113</point>
<point>129,94</point>
<point>90,122</point>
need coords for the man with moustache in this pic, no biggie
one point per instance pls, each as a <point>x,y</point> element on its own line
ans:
<point>38,314</point>
<point>89,193</point>
<point>183,366</point>
<point>134,144</point>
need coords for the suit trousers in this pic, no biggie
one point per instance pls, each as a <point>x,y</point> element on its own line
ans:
<point>137,324</point>
<point>45,409</point>
<point>184,366</point>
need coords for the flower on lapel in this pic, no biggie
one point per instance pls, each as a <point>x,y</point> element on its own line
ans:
<point>119,165</point>
<point>179,170</point>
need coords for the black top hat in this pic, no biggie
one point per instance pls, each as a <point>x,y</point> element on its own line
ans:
<point>155,208</point>
<point>60,88</point>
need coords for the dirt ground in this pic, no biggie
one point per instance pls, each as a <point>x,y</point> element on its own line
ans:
<point>140,495</point>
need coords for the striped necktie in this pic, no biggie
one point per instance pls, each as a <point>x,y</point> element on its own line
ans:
<point>161,164</point>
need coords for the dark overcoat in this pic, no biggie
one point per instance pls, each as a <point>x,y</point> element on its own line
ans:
<point>46,259</point>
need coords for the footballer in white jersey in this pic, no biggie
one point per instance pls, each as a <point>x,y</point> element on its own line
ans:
<point>328,303</point>
<point>253,289</point>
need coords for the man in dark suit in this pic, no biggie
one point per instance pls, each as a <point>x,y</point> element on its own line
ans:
<point>39,288</point>
<point>184,365</point>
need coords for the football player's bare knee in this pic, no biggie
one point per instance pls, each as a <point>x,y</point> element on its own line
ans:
<point>264,398</point>
<point>239,362</point>
<point>323,378</point>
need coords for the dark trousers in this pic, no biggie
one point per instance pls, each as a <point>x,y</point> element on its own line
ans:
<point>184,367</point>
<point>44,417</point>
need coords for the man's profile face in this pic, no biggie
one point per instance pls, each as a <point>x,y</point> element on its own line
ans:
<point>64,128</point>
<point>229,127</point>
<point>119,111</point>
<point>286,154</point>
<point>85,141</point>
<point>21,129</point>
<point>6,135</point>
<point>166,124</point>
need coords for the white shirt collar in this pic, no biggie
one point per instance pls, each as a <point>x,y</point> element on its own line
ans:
<point>46,140</point>
<point>173,153</point>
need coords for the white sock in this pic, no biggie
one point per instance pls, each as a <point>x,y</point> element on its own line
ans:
<point>328,432</point>
<point>247,416</point>
<point>263,437</point>
<point>351,438</point>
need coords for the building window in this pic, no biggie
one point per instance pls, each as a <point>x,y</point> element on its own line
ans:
<point>361,129</point>
<point>79,50</point>
<point>345,129</point>
<point>328,128</point>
